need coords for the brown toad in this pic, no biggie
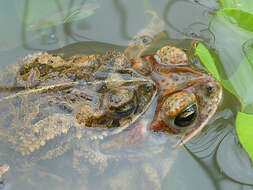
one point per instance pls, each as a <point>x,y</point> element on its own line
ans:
<point>106,109</point>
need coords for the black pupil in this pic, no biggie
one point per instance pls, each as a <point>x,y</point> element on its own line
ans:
<point>187,116</point>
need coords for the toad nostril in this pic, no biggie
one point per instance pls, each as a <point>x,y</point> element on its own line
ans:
<point>211,88</point>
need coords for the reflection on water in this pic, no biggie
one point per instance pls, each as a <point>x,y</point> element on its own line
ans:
<point>151,164</point>
<point>230,151</point>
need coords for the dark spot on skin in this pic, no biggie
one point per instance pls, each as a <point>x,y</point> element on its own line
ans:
<point>71,76</point>
<point>65,107</point>
<point>37,134</point>
<point>102,88</point>
<point>146,40</point>
<point>24,70</point>
<point>210,89</point>
<point>148,88</point>
<point>193,34</point>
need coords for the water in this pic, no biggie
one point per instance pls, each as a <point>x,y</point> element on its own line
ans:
<point>202,164</point>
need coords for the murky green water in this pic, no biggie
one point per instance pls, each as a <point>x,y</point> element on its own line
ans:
<point>212,160</point>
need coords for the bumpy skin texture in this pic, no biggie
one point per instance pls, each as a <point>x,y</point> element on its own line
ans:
<point>64,109</point>
<point>105,110</point>
<point>73,92</point>
<point>181,86</point>
<point>68,104</point>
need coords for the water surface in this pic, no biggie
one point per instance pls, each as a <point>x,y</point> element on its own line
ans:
<point>202,164</point>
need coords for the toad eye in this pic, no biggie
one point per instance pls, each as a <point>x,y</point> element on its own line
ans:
<point>187,116</point>
<point>180,110</point>
<point>120,102</point>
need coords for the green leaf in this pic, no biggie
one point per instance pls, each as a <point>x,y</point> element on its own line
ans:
<point>233,45</point>
<point>244,122</point>
<point>207,60</point>
<point>246,5</point>
<point>237,17</point>
<point>230,40</point>
<point>244,127</point>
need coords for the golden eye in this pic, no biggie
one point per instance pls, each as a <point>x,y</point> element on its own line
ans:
<point>120,102</point>
<point>180,110</point>
<point>187,116</point>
